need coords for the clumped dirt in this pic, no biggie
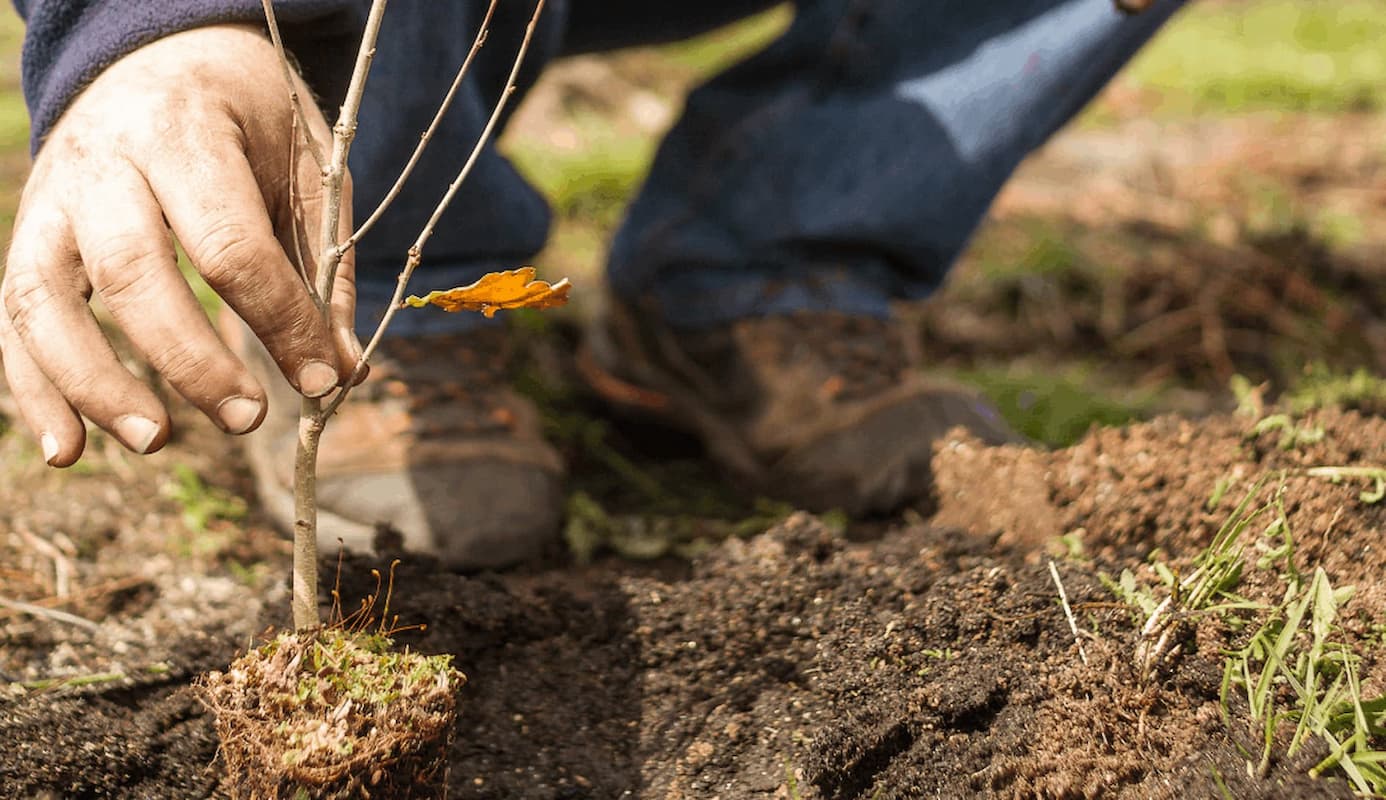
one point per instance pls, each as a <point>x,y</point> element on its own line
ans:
<point>930,659</point>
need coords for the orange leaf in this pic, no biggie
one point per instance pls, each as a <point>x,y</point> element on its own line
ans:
<point>513,288</point>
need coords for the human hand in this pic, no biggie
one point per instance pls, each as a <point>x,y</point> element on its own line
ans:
<point>189,136</point>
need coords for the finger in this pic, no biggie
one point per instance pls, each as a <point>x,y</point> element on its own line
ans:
<point>45,296</point>
<point>54,422</point>
<point>215,208</point>
<point>129,255</point>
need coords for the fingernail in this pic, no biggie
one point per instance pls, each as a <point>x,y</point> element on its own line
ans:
<point>239,414</point>
<point>316,378</point>
<point>49,443</point>
<point>137,432</point>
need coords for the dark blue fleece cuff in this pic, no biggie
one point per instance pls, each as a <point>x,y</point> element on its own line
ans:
<point>67,43</point>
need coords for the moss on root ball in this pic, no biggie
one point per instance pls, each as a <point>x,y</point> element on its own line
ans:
<point>333,713</point>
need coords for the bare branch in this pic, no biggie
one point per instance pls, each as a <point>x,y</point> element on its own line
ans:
<point>299,113</point>
<point>300,263</point>
<point>466,170</point>
<point>416,251</point>
<point>427,134</point>
<point>343,133</point>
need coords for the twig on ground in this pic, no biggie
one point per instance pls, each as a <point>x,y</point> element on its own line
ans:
<point>82,595</point>
<point>1068,612</point>
<point>62,562</point>
<point>50,614</point>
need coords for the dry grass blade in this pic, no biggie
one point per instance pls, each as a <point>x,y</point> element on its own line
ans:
<point>50,614</point>
<point>1068,612</point>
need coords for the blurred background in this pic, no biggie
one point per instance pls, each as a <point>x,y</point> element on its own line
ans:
<point>1217,212</point>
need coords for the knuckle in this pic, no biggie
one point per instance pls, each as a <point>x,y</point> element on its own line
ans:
<point>294,335</point>
<point>78,382</point>
<point>120,268</point>
<point>181,364</point>
<point>25,293</point>
<point>227,255</point>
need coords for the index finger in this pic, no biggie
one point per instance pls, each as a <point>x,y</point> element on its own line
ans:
<point>215,207</point>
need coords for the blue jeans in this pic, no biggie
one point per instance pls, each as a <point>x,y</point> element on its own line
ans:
<point>843,167</point>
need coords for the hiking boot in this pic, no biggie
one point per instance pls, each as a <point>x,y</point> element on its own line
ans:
<point>433,444</point>
<point>823,410</point>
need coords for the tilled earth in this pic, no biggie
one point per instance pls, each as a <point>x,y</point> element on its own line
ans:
<point>928,656</point>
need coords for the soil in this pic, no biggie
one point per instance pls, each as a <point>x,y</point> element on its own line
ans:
<point>924,655</point>
<point>929,659</point>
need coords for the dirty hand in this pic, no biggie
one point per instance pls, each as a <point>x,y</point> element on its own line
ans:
<point>188,136</point>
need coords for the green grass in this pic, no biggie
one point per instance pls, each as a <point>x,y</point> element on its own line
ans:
<point>1286,55</point>
<point>590,183</point>
<point>593,181</point>
<point>1296,673</point>
<point>201,505</point>
<point>1058,404</point>
<point>14,117</point>
<point>1322,387</point>
<point>1376,476</point>
<point>1028,247</point>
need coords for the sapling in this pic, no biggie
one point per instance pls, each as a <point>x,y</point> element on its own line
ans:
<point>343,679</point>
<point>496,290</point>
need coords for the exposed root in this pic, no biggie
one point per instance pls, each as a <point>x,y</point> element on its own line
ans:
<point>336,715</point>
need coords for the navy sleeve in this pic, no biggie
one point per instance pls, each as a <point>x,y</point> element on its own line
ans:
<point>67,43</point>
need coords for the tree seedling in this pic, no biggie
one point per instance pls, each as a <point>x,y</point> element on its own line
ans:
<point>334,711</point>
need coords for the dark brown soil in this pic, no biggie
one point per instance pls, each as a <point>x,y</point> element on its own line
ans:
<point>926,655</point>
<point>931,660</point>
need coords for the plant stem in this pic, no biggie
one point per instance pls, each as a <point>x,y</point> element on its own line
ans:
<point>311,417</point>
<point>305,576</point>
<point>313,413</point>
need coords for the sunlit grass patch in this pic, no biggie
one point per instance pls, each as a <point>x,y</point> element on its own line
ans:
<point>1057,405</point>
<point>1287,55</point>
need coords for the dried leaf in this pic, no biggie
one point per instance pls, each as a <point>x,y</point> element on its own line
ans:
<point>514,288</point>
